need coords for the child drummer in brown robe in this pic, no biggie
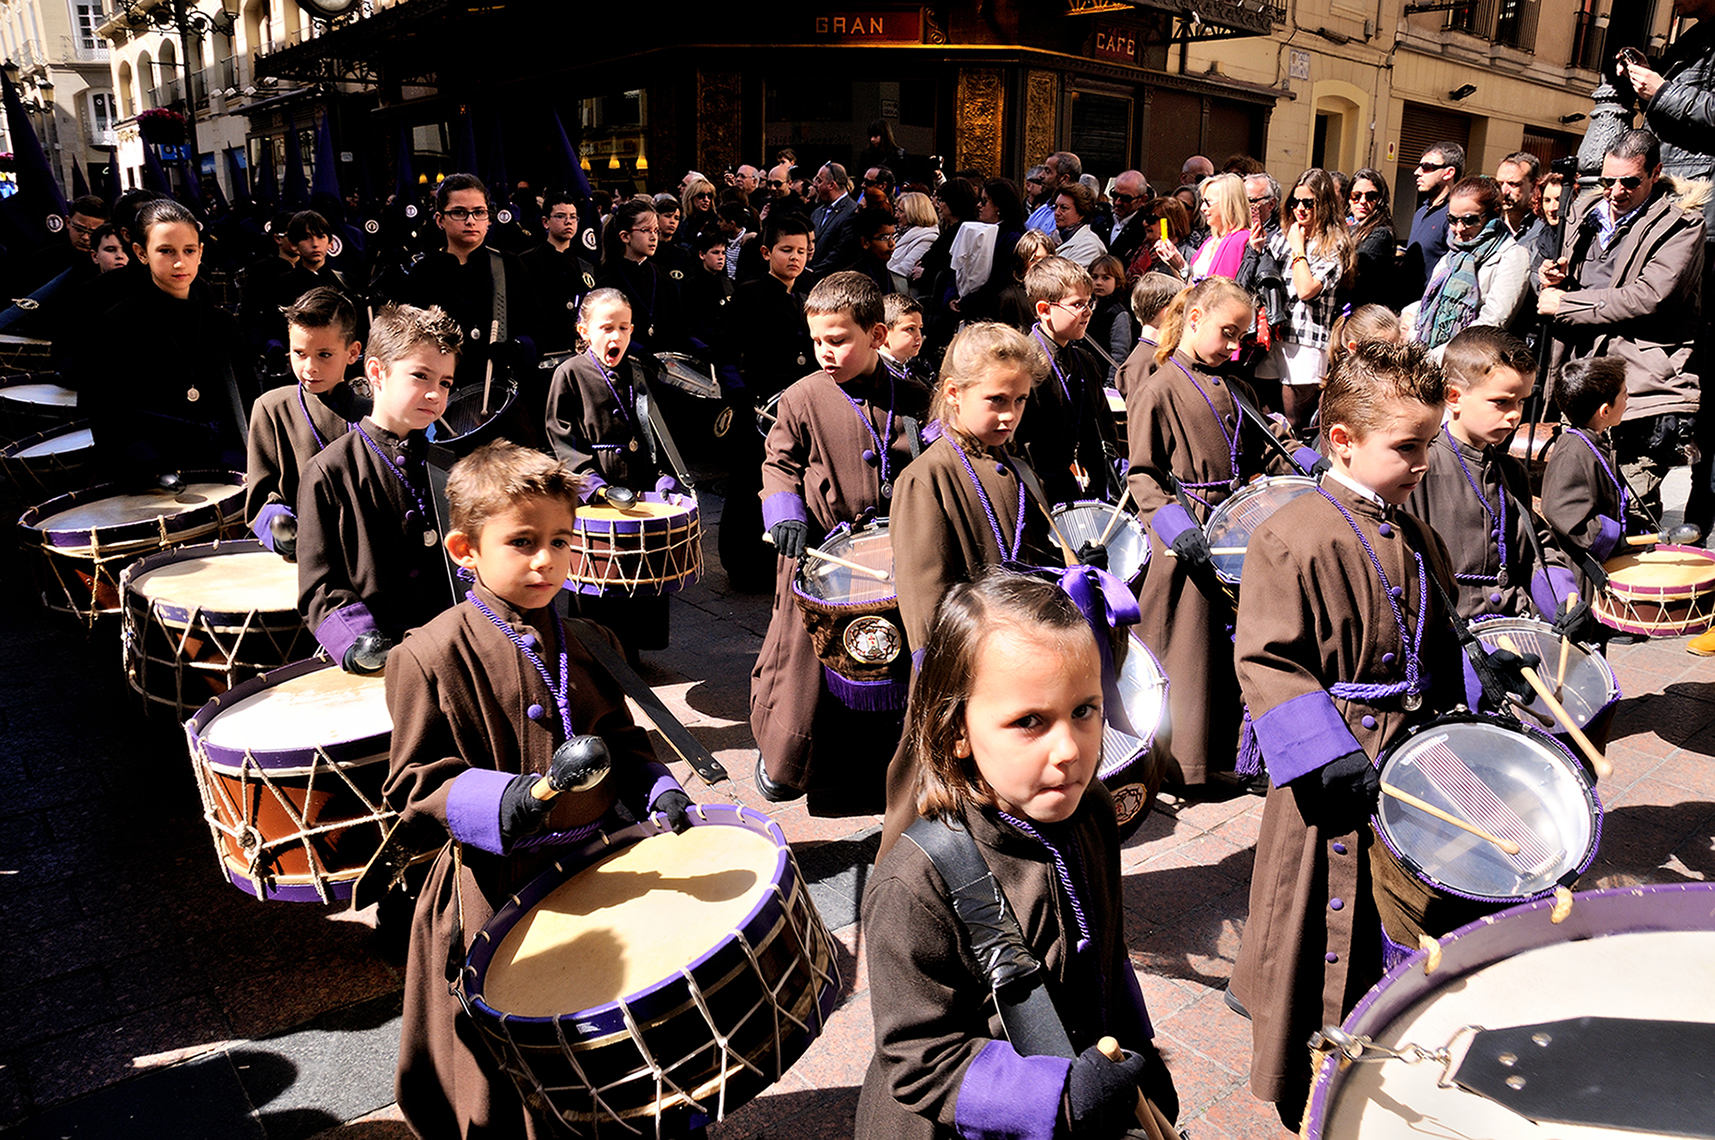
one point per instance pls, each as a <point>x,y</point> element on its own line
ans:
<point>966,503</point>
<point>290,426</point>
<point>1342,643</point>
<point>839,441</point>
<point>484,700</point>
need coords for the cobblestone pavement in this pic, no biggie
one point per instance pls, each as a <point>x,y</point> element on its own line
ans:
<point>146,997</point>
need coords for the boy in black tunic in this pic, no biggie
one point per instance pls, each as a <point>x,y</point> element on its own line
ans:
<point>560,275</point>
<point>369,567</point>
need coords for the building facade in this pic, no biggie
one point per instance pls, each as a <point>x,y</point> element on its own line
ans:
<point>62,74</point>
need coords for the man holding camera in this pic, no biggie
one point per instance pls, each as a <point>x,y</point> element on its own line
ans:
<point>1629,283</point>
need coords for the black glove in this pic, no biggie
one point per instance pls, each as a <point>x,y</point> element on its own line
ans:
<point>367,655</point>
<point>1101,1095</point>
<point>1093,554</point>
<point>1346,793</point>
<point>1192,548</point>
<point>521,813</point>
<point>673,803</point>
<point>1569,623</point>
<point>790,537</point>
<point>284,529</point>
<point>580,764</point>
<point>1507,670</point>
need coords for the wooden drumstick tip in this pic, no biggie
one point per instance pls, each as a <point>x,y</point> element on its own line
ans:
<point>1598,763</point>
<point>1114,521</point>
<point>1431,954</point>
<point>543,789</point>
<point>1109,1047</point>
<point>1565,647</point>
<point>1562,909</point>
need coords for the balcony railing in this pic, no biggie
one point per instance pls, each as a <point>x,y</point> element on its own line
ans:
<point>1508,22</point>
<point>74,50</point>
<point>1588,41</point>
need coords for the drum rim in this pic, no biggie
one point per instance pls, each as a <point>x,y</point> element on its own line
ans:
<point>173,555</point>
<point>35,380</point>
<point>1576,769</point>
<point>204,751</point>
<point>508,387</point>
<point>1537,625</point>
<point>1250,491</point>
<point>589,524</point>
<point>190,519</point>
<point>14,452</point>
<point>1692,590</point>
<point>1109,778</point>
<point>1129,522</point>
<point>575,858</point>
<point>841,530</point>
<point>1497,937</point>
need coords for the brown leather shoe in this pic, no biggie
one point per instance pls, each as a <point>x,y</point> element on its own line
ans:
<point>1703,644</point>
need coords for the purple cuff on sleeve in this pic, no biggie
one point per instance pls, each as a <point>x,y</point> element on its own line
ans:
<point>781,506</point>
<point>1549,588</point>
<point>1303,735</point>
<point>1008,1097</point>
<point>1170,522</point>
<point>344,626</point>
<point>591,481</point>
<point>668,485</point>
<point>263,527</point>
<point>1307,458</point>
<point>662,781</point>
<point>932,431</point>
<point>1608,536</point>
<point>473,809</point>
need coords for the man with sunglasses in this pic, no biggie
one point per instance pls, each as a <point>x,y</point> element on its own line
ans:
<point>1629,283</point>
<point>1131,230</point>
<point>1440,167</point>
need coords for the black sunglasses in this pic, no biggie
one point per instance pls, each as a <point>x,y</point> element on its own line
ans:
<point>1630,182</point>
<point>1116,196</point>
<point>1466,219</point>
<point>1367,195</point>
<point>1304,203</point>
<point>1428,166</point>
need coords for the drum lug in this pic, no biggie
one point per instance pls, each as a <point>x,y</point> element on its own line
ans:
<point>1356,1047</point>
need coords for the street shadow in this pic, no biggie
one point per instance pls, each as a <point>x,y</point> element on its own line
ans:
<point>1181,918</point>
<point>823,1114</point>
<point>1680,714</point>
<point>836,871</point>
<point>1638,842</point>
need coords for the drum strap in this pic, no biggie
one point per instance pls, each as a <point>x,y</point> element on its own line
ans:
<point>658,425</point>
<point>1027,478</point>
<point>497,276</point>
<point>1027,1011</point>
<point>913,433</point>
<point>1492,687</point>
<point>1248,410</point>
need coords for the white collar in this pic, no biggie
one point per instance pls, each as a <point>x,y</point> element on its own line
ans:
<point>1347,481</point>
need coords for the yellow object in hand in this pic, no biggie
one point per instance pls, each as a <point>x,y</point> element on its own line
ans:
<point>1164,236</point>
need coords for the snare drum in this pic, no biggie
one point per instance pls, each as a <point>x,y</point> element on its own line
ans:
<point>48,463</point>
<point>1116,405</point>
<point>853,619</point>
<point>1135,762</point>
<point>1635,953</point>
<point>1590,692</point>
<point>1128,548</point>
<point>716,974</point>
<point>688,375</point>
<point>1231,524</point>
<point>652,547</point>
<point>34,403</point>
<point>199,620</point>
<point>1515,783</point>
<point>85,538</point>
<point>1663,592</point>
<point>290,766</point>
<point>24,353</point>
<point>464,426</point>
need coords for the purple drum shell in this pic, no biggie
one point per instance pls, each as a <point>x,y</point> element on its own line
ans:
<point>1497,937</point>
<point>195,516</point>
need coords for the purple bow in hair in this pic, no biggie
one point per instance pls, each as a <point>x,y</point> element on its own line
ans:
<point>1107,604</point>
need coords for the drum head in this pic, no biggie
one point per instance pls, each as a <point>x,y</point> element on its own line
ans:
<point>464,416</point>
<point>237,582</point>
<point>122,510</point>
<point>603,517</point>
<point>307,711</point>
<point>1671,569</point>
<point>42,395</point>
<point>1590,685</point>
<point>1128,549</point>
<point>629,921</point>
<point>828,582</point>
<point>1143,692</point>
<point>57,443</point>
<point>1514,784</point>
<point>1233,522</point>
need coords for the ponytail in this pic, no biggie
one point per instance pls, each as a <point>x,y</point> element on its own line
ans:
<point>1203,296</point>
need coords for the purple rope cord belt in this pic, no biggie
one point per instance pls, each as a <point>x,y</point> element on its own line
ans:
<point>1500,521</point>
<point>1410,687</point>
<point>1619,484</point>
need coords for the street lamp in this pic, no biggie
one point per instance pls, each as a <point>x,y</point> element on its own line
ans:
<point>190,23</point>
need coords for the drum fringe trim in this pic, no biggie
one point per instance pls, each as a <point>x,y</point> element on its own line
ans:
<point>867,696</point>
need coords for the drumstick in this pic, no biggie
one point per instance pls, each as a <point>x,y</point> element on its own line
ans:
<point>1598,762</point>
<point>488,375</point>
<point>1406,797</point>
<point>855,567</point>
<point>1119,509</point>
<point>1110,1048</point>
<point>1683,535</point>
<point>1218,550</point>
<point>1565,647</point>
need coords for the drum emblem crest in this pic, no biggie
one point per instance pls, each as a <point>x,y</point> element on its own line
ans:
<point>873,640</point>
<point>1128,801</point>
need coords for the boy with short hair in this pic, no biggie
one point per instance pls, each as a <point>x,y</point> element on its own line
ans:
<point>671,255</point>
<point>290,426</point>
<point>1584,496</point>
<point>107,248</point>
<point>1149,299</point>
<point>904,332</point>
<point>762,346</point>
<point>466,768</point>
<point>1067,432</point>
<point>1476,496</point>
<point>840,438</point>
<point>368,564</point>
<point>559,272</point>
<point>874,228</point>
<point>707,289</point>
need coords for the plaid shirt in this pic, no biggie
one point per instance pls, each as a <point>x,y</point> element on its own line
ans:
<point>1310,323</point>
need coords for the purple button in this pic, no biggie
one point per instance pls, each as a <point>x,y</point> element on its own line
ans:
<point>1002,469</point>
<point>528,640</point>
<point>1330,958</point>
<point>1396,591</point>
<point>1385,530</point>
<point>1368,722</point>
<point>1388,659</point>
<point>1217,381</point>
<point>399,460</point>
<point>1495,533</point>
<point>1339,848</point>
<point>534,712</point>
<point>1495,598</point>
<point>869,456</point>
<point>1336,904</point>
